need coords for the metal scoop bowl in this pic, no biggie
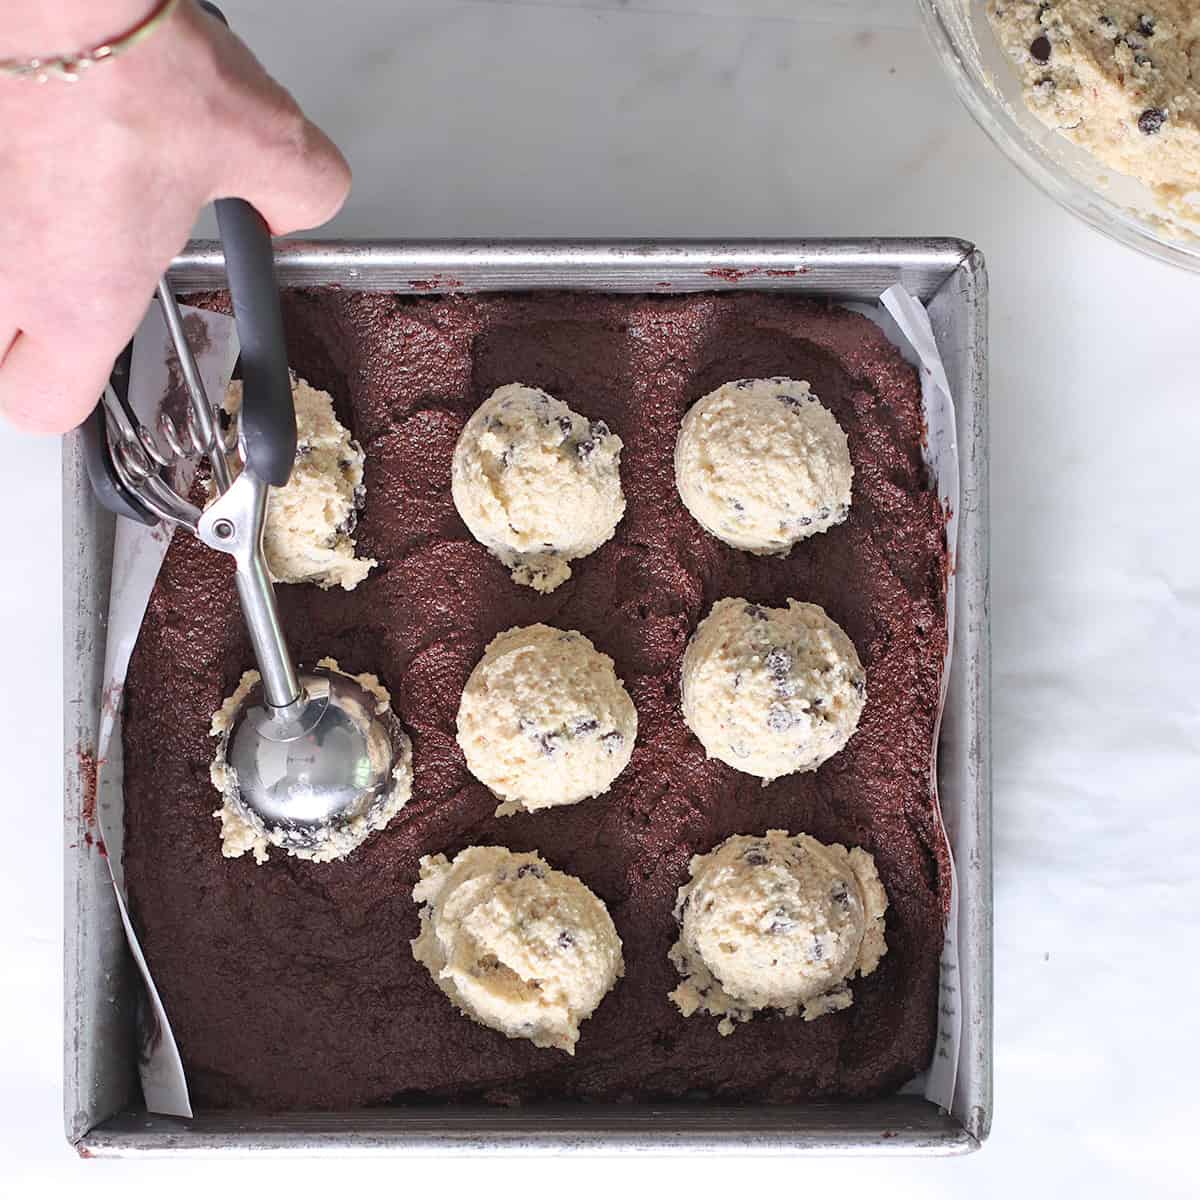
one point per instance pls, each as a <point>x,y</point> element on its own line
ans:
<point>316,776</point>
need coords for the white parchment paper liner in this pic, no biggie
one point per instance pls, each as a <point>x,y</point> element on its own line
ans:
<point>138,554</point>
<point>906,325</point>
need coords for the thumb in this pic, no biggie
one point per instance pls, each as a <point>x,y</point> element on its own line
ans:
<point>289,170</point>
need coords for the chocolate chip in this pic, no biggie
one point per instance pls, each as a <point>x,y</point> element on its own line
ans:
<point>737,506</point>
<point>737,681</point>
<point>795,403</point>
<point>303,450</point>
<point>779,718</point>
<point>597,432</point>
<point>1146,25</point>
<point>802,521</point>
<point>1142,60</point>
<point>564,423</point>
<point>584,725</point>
<point>348,526</point>
<point>1106,23</point>
<point>1151,121</point>
<point>818,949</point>
<point>779,662</point>
<point>840,894</point>
<point>1040,48</point>
<point>565,939</point>
<point>781,922</point>
<point>755,857</point>
<point>612,739</point>
<point>530,869</point>
<point>756,612</point>
<point>860,686</point>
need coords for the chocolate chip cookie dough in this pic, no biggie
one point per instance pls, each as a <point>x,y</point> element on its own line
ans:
<point>762,464</point>
<point>308,536</point>
<point>1121,78</point>
<point>779,922</point>
<point>536,483</point>
<point>771,691</point>
<point>514,944</point>
<point>544,720</point>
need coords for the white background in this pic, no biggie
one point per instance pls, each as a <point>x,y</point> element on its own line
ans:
<point>761,117</point>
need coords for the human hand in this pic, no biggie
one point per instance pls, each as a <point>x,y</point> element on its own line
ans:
<point>101,181</point>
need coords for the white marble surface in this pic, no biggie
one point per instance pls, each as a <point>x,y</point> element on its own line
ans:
<point>676,117</point>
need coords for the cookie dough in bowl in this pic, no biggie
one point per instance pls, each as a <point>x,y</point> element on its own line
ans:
<point>544,720</point>
<point>537,483</point>
<point>776,922</point>
<point>308,536</point>
<point>762,464</point>
<point>1121,78</point>
<point>516,945</point>
<point>770,691</point>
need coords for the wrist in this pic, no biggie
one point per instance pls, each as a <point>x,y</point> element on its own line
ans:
<point>87,31</point>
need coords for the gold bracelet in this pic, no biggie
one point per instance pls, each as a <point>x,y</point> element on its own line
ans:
<point>70,67</point>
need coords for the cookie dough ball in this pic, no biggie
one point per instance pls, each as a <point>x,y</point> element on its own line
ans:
<point>516,945</point>
<point>544,720</point>
<point>243,831</point>
<point>537,483</point>
<point>771,690</point>
<point>761,464</point>
<point>310,521</point>
<point>780,922</point>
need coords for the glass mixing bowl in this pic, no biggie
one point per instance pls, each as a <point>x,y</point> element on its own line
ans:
<point>989,86</point>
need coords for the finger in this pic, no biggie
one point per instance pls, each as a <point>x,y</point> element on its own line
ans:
<point>292,173</point>
<point>48,385</point>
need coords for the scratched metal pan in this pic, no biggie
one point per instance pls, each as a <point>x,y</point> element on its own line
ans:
<point>104,1113</point>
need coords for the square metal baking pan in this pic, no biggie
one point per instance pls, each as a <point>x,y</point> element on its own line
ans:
<point>104,1114</point>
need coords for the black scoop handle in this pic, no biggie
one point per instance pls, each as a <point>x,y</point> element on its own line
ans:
<point>268,418</point>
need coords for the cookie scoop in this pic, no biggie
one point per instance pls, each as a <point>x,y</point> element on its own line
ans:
<point>308,759</point>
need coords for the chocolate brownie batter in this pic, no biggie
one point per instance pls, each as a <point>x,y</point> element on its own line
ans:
<point>292,985</point>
